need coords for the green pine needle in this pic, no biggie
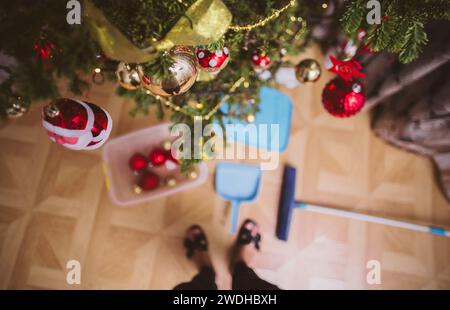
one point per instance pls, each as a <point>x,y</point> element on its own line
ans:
<point>159,68</point>
<point>415,39</point>
<point>353,16</point>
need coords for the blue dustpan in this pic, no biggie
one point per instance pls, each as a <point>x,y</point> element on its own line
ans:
<point>237,183</point>
<point>275,108</point>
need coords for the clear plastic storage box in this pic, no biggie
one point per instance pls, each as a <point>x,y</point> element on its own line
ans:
<point>120,178</point>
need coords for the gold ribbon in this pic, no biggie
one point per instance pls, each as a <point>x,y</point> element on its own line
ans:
<point>205,22</point>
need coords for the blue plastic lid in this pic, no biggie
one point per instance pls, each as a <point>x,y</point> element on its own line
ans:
<point>275,108</point>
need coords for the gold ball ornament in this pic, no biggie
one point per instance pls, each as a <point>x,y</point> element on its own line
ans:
<point>193,174</point>
<point>308,71</point>
<point>166,145</point>
<point>127,76</point>
<point>171,182</point>
<point>17,108</point>
<point>137,189</point>
<point>182,74</point>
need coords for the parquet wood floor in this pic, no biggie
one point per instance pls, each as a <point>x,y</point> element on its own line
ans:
<point>54,207</point>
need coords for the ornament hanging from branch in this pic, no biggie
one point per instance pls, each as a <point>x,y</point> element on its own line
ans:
<point>342,98</point>
<point>260,60</point>
<point>181,74</point>
<point>127,76</point>
<point>308,71</point>
<point>17,108</point>
<point>212,61</point>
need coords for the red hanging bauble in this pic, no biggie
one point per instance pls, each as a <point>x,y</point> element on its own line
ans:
<point>343,99</point>
<point>149,181</point>
<point>76,124</point>
<point>260,60</point>
<point>212,61</point>
<point>138,162</point>
<point>157,157</point>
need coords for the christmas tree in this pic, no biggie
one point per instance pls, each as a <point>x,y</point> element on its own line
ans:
<point>244,39</point>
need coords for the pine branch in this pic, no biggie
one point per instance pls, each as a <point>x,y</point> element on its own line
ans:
<point>378,38</point>
<point>160,67</point>
<point>415,39</point>
<point>397,37</point>
<point>218,45</point>
<point>353,16</point>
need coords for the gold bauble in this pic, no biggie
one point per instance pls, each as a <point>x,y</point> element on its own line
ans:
<point>166,145</point>
<point>17,108</point>
<point>171,182</point>
<point>137,189</point>
<point>193,174</point>
<point>127,76</point>
<point>183,73</point>
<point>308,71</point>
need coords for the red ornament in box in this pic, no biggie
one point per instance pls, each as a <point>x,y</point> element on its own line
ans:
<point>76,124</point>
<point>343,99</point>
<point>172,158</point>
<point>138,162</point>
<point>171,163</point>
<point>149,181</point>
<point>157,157</point>
<point>212,61</point>
<point>260,60</point>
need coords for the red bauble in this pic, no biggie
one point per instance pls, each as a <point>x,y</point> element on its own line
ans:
<point>76,124</point>
<point>343,99</point>
<point>138,162</point>
<point>171,162</point>
<point>149,181</point>
<point>157,157</point>
<point>212,61</point>
<point>260,60</point>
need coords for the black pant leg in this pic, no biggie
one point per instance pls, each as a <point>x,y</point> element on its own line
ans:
<point>244,278</point>
<point>204,280</point>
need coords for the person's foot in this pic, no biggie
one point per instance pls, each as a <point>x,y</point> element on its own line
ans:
<point>196,245</point>
<point>247,244</point>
